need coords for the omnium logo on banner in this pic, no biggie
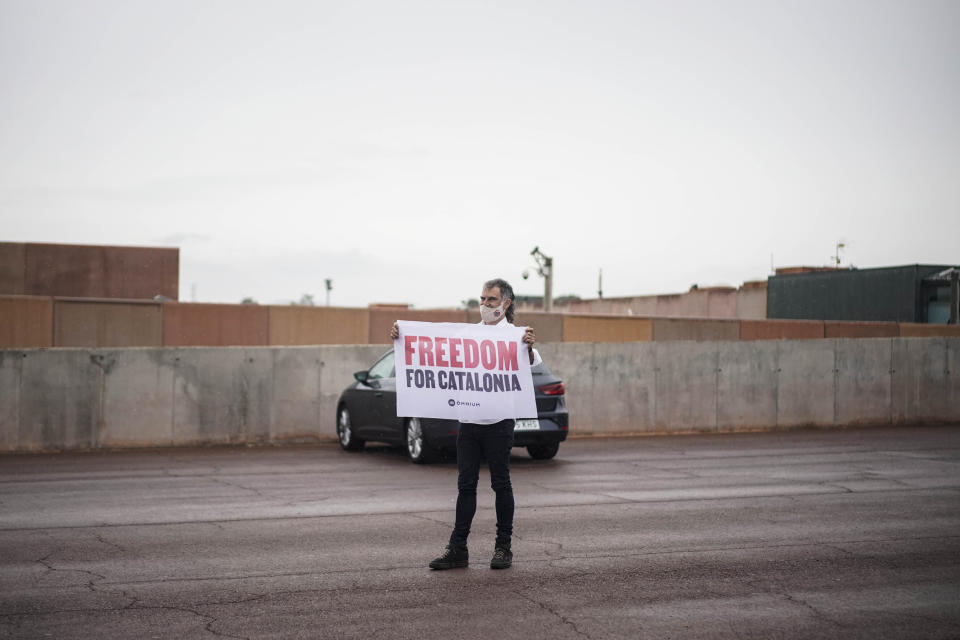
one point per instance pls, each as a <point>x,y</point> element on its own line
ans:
<point>462,372</point>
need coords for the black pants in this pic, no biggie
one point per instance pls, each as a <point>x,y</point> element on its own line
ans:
<point>475,442</point>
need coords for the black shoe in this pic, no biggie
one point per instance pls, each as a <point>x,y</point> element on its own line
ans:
<point>502,558</point>
<point>452,558</point>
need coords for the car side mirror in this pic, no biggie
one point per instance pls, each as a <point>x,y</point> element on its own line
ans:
<point>362,376</point>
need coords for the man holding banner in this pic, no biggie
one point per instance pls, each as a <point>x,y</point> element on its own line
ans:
<point>480,376</point>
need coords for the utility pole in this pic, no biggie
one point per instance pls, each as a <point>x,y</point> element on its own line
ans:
<point>329,283</point>
<point>600,285</point>
<point>545,269</point>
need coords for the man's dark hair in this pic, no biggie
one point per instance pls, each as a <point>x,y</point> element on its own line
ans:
<point>506,291</point>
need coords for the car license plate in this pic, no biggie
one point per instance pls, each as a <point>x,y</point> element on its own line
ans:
<point>527,425</point>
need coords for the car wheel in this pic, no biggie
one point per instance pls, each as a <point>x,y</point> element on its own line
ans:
<point>416,444</point>
<point>348,441</point>
<point>543,451</point>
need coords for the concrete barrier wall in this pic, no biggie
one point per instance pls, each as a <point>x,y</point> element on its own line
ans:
<point>747,386</point>
<point>724,386</point>
<point>11,380</point>
<point>225,395</point>
<point>92,398</point>
<point>925,379</point>
<point>608,384</point>
<point>805,383</point>
<point>863,382</point>
<point>58,399</point>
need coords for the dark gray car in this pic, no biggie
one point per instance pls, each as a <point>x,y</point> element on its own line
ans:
<point>367,411</point>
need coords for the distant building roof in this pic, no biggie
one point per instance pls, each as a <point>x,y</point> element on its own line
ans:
<point>943,276</point>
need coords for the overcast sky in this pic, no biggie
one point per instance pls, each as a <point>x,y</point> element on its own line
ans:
<point>411,150</point>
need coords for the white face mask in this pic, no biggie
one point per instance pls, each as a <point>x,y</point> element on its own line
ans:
<point>491,315</point>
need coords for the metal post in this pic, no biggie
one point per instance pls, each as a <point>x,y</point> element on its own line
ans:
<point>548,285</point>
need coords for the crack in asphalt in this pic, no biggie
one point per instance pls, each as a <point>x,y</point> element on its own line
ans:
<point>100,539</point>
<point>44,561</point>
<point>820,615</point>
<point>781,591</point>
<point>208,627</point>
<point>236,485</point>
<point>550,552</point>
<point>562,618</point>
<point>134,600</point>
<point>836,485</point>
<point>899,482</point>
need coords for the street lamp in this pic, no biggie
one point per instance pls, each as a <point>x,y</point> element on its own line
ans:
<point>836,257</point>
<point>545,269</point>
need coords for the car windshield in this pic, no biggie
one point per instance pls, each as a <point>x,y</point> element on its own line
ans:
<point>383,368</point>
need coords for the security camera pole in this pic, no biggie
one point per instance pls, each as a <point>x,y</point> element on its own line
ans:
<point>545,269</point>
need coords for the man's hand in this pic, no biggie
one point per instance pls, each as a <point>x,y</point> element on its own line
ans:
<point>529,338</point>
<point>394,331</point>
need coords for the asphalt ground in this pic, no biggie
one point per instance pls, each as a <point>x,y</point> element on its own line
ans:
<point>800,534</point>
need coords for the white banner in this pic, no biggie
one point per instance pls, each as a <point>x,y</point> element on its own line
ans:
<point>462,372</point>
